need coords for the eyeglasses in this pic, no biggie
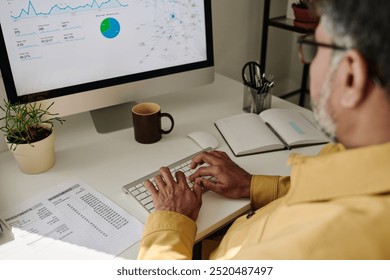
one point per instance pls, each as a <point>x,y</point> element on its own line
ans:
<point>308,48</point>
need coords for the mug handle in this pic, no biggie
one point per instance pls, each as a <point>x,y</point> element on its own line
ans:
<point>172,123</point>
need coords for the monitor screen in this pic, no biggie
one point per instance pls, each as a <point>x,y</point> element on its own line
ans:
<point>90,54</point>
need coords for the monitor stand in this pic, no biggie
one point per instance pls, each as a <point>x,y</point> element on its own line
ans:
<point>113,118</point>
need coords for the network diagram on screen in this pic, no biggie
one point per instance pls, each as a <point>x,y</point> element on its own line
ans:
<point>73,42</point>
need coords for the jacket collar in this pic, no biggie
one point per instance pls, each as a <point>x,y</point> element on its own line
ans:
<point>340,173</point>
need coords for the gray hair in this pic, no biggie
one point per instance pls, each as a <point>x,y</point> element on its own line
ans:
<point>363,25</point>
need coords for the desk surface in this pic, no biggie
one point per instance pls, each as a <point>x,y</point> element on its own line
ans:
<point>108,161</point>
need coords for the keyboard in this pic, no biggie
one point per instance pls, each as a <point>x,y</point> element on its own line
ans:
<point>142,195</point>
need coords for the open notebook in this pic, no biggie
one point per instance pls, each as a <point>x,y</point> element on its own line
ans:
<point>272,129</point>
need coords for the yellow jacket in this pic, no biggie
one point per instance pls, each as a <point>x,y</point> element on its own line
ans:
<point>337,206</point>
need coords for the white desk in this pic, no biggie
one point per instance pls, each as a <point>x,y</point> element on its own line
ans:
<point>108,161</point>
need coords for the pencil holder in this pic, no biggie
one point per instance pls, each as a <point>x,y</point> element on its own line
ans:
<point>255,101</point>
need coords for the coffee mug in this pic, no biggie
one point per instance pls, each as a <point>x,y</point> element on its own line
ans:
<point>147,122</point>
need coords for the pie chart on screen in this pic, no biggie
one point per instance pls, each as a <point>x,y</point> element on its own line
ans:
<point>110,28</point>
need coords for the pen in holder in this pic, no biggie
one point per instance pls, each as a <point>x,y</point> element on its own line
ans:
<point>256,101</point>
<point>257,88</point>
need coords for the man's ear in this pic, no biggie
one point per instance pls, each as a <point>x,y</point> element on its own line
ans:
<point>355,79</point>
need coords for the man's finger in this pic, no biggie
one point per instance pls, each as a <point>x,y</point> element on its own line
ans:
<point>203,171</point>
<point>180,177</point>
<point>150,187</point>
<point>207,184</point>
<point>166,175</point>
<point>197,189</point>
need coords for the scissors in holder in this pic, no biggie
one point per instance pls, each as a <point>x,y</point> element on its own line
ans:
<point>251,75</point>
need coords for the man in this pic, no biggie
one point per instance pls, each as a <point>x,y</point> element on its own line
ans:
<point>335,205</point>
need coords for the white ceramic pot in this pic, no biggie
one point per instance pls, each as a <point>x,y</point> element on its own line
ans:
<point>37,158</point>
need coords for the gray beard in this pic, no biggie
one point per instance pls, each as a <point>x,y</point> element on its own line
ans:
<point>323,118</point>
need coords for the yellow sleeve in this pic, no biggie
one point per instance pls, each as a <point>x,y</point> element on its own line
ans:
<point>265,189</point>
<point>167,235</point>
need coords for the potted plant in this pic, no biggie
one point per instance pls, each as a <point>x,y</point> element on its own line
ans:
<point>303,13</point>
<point>29,135</point>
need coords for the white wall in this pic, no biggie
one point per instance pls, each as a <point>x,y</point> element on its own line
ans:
<point>237,33</point>
<point>237,28</point>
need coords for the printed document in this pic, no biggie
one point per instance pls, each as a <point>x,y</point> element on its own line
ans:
<point>70,214</point>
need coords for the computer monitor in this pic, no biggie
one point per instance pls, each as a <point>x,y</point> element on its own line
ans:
<point>91,54</point>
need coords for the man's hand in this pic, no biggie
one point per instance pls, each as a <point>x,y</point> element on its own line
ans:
<point>174,194</point>
<point>230,179</point>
